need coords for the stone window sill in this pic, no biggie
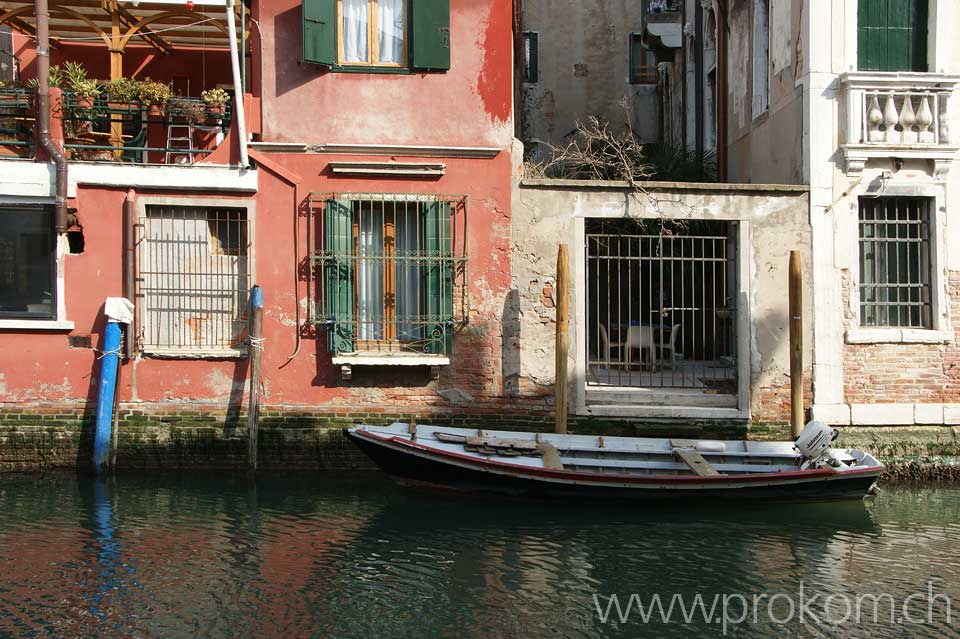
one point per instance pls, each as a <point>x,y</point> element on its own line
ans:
<point>390,360</point>
<point>36,325</point>
<point>898,336</point>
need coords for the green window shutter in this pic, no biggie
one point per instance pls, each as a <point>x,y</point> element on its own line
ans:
<point>892,35</point>
<point>437,279</point>
<point>320,31</point>
<point>339,268</point>
<point>431,34</point>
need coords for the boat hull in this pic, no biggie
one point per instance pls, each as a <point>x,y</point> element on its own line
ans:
<point>417,467</point>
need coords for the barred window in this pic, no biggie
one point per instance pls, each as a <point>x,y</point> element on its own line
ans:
<point>387,269</point>
<point>194,279</point>
<point>895,262</point>
<point>643,62</point>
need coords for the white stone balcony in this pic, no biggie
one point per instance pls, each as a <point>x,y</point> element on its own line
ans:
<point>901,115</point>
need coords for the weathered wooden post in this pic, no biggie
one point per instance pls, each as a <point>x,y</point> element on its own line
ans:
<point>796,345</point>
<point>563,340</point>
<point>255,331</point>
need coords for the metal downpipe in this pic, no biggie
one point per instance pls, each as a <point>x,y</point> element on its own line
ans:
<point>43,116</point>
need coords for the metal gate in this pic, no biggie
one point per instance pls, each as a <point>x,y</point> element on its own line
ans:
<point>661,305</point>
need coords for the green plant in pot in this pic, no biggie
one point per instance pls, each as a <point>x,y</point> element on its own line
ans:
<point>216,100</point>
<point>54,78</point>
<point>190,110</point>
<point>121,92</point>
<point>155,95</point>
<point>85,90</point>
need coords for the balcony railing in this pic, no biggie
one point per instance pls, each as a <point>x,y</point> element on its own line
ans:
<point>180,132</point>
<point>16,123</point>
<point>897,115</point>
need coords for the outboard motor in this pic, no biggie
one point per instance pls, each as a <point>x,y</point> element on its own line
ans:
<point>814,445</point>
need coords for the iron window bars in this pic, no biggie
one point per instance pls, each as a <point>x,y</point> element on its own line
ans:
<point>389,271</point>
<point>895,262</point>
<point>193,280</point>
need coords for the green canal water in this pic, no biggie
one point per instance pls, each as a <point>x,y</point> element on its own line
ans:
<point>313,556</point>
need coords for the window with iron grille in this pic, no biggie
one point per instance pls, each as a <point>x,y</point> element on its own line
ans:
<point>895,262</point>
<point>389,271</point>
<point>643,62</point>
<point>193,280</point>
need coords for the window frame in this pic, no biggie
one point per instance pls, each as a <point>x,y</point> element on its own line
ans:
<point>760,54</point>
<point>879,243</point>
<point>145,202</point>
<point>373,39</point>
<point>941,330</point>
<point>651,77</point>
<point>441,259</point>
<point>9,319</point>
<point>531,56</point>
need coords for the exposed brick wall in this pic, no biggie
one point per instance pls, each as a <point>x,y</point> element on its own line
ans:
<point>771,404</point>
<point>902,373</point>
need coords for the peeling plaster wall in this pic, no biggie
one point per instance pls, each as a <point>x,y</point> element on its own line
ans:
<point>545,215</point>
<point>755,144</point>
<point>584,69</point>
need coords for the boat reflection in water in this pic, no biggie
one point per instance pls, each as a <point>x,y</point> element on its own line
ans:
<point>318,556</point>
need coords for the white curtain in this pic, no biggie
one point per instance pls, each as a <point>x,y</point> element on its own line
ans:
<point>391,19</point>
<point>354,31</point>
<point>370,275</point>
<point>408,273</point>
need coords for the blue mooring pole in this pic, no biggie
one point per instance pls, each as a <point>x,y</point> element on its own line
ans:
<point>105,391</point>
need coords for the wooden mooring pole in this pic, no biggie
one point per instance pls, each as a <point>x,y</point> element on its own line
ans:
<point>255,331</point>
<point>796,344</point>
<point>563,340</point>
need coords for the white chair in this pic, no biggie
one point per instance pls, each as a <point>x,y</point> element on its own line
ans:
<point>606,345</point>
<point>641,338</point>
<point>670,346</point>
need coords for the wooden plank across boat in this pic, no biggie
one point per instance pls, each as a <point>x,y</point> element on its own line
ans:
<point>552,466</point>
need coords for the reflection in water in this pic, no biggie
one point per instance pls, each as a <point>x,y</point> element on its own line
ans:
<point>314,556</point>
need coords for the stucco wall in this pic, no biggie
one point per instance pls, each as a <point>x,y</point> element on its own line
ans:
<point>584,69</point>
<point>469,105</point>
<point>756,150</point>
<point>546,213</point>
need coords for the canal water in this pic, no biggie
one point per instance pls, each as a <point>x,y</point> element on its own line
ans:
<point>314,556</point>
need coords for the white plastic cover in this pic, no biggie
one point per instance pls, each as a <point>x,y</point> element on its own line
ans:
<point>119,309</point>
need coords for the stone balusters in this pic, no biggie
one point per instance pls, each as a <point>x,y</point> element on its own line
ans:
<point>904,118</point>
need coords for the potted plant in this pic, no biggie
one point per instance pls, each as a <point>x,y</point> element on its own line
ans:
<point>155,95</point>
<point>85,90</point>
<point>192,111</point>
<point>216,100</point>
<point>54,78</point>
<point>121,92</point>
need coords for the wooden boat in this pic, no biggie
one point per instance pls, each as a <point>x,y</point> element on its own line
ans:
<point>583,467</point>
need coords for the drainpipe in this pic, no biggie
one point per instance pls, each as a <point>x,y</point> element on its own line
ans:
<point>43,116</point>
<point>237,85</point>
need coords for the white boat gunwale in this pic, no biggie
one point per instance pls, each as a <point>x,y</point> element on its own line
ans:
<point>397,435</point>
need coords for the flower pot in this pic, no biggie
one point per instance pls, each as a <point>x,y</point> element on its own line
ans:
<point>216,109</point>
<point>84,102</point>
<point>155,110</point>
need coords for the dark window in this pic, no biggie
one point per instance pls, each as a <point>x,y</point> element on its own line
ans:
<point>643,62</point>
<point>531,57</point>
<point>895,262</point>
<point>892,35</point>
<point>377,35</point>
<point>8,62</point>
<point>26,263</point>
